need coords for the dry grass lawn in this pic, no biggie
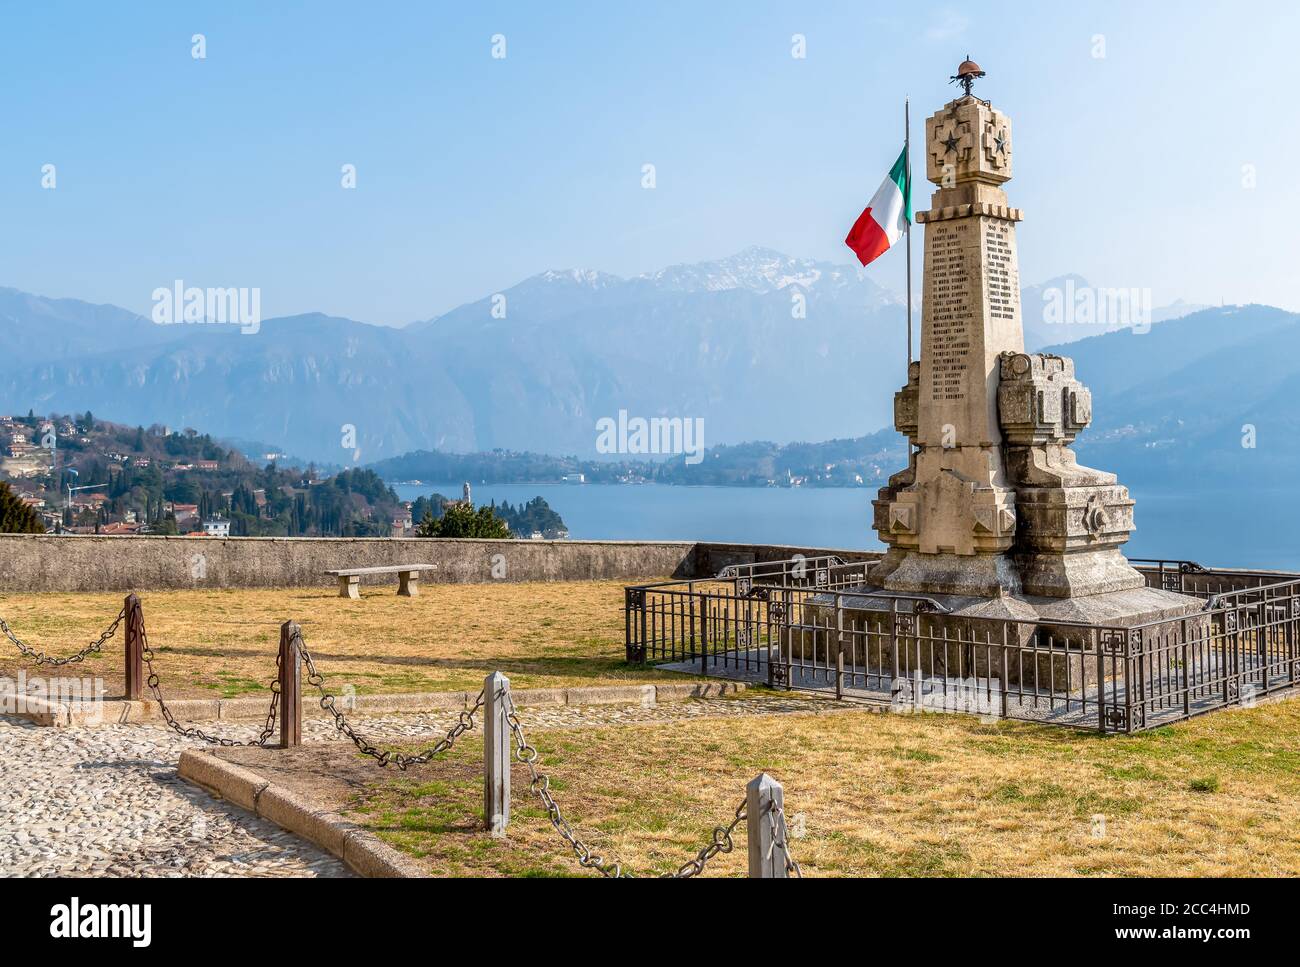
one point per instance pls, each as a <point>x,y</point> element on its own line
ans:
<point>882,795</point>
<point>223,643</point>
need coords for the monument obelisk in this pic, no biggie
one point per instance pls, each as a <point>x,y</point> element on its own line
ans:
<point>993,504</point>
<point>959,512</point>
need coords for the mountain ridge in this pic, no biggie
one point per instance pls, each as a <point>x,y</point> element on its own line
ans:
<point>757,344</point>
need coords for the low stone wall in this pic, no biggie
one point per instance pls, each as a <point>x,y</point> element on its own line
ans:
<point>76,562</point>
<point>89,563</point>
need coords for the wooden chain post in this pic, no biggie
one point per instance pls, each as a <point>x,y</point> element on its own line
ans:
<point>134,647</point>
<point>290,686</point>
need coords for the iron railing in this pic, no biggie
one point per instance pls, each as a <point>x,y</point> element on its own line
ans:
<point>831,635</point>
<point>797,571</point>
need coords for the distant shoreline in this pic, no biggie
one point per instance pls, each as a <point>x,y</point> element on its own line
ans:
<point>641,483</point>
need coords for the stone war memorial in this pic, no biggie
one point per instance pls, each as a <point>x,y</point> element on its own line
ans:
<point>993,515</point>
<point>1003,588</point>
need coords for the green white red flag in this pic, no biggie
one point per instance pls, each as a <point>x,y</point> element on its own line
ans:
<point>886,217</point>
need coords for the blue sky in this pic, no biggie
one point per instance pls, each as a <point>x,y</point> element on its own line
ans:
<point>474,173</point>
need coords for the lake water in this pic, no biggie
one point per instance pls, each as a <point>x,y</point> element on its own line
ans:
<point>1258,529</point>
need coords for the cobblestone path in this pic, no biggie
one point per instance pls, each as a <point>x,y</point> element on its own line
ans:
<point>106,801</point>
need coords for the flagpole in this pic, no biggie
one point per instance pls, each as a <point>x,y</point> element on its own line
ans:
<point>907,152</point>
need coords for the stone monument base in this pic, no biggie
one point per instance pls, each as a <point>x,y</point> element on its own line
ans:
<point>1051,644</point>
<point>1085,573</point>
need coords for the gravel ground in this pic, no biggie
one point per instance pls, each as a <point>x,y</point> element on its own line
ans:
<point>106,801</point>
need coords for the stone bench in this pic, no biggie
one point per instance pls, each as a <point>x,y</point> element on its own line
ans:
<point>408,578</point>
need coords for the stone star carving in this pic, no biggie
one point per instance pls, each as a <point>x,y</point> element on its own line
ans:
<point>1000,142</point>
<point>950,143</point>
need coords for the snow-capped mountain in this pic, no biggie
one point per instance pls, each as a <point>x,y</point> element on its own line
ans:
<point>762,270</point>
<point>759,345</point>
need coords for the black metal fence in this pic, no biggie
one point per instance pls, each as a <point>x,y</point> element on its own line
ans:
<point>808,624</point>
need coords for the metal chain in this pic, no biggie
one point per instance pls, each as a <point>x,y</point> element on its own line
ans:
<point>776,816</point>
<point>464,722</point>
<point>40,658</point>
<point>721,843</point>
<point>540,783</point>
<point>190,731</point>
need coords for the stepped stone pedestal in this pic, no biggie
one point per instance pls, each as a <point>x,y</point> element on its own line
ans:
<point>993,517</point>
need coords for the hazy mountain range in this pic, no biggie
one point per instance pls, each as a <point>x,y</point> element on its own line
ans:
<point>762,346</point>
<point>1207,400</point>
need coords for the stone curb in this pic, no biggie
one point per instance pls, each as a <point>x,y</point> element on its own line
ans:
<point>43,712</point>
<point>38,711</point>
<point>363,852</point>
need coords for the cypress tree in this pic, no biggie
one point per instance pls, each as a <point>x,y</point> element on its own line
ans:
<point>15,516</point>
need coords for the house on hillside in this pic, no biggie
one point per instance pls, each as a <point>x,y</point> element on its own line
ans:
<point>19,445</point>
<point>182,512</point>
<point>401,524</point>
<point>88,501</point>
<point>216,527</point>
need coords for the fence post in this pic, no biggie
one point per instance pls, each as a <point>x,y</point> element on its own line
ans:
<point>704,633</point>
<point>627,625</point>
<point>1101,681</point>
<point>839,647</point>
<point>1289,636</point>
<point>290,686</point>
<point>764,828</point>
<point>1187,671</point>
<point>496,754</point>
<point>134,647</point>
<point>690,601</point>
<point>645,641</point>
<point>1006,674</point>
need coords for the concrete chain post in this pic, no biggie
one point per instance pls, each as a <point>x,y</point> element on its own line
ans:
<point>497,754</point>
<point>765,828</point>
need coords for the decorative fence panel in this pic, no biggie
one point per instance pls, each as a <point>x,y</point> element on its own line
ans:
<point>819,628</point>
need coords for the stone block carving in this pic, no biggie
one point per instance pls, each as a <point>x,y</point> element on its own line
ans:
<point>969,140</point>
<point>1073,518</point>
<point>1040,401</point>
<point>907,404</point>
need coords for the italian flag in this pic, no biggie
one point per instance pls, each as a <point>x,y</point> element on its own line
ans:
<point>886,217</point>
